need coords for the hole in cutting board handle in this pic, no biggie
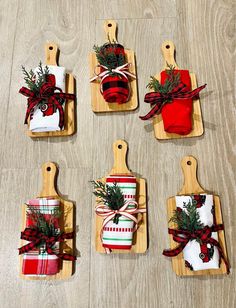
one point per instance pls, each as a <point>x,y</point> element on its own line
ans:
<point>48,169</point>
<point>167,46</point>
<point>120,146</point>
<point>109,25</point>
<point>50,47</point>
<point>189,163</point>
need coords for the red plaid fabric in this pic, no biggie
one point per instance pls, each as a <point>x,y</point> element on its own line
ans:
<point>115,89</point>
<point>37,261</point>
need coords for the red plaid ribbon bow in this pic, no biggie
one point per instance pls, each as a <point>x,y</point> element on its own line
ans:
<point>204,235</point>
<point>47,93</point>
<point>35,237</point>
<point>158,100</point>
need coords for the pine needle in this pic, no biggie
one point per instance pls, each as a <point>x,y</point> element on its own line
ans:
<point>47,227</point>
<point>111,196</point>
<point>187,219</point>
<point>106,56</point>
<point>171,82</point>
<point>33,80</point>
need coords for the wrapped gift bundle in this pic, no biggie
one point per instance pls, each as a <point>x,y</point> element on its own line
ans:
<point>46,98</point>
<point>46,117</point>
<point>120,235</point>
<point>196,233</point>
<point>114,73</point>
<point>199,256</point>
<point>38,262</point>
<point>173,98</point>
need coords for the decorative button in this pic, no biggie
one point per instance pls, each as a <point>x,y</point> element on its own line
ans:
<point>44,107</point>
<point>201,255</point>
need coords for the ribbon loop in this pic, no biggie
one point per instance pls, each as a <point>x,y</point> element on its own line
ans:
<point>122,70</point>
<point>158,100</point>
<point>204,235</point>
<point>108,214</point>
<point>46,93</point>
<point>35,237</point>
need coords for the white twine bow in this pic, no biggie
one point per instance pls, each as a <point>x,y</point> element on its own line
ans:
<point>122,70</point>
<point>108,214</point>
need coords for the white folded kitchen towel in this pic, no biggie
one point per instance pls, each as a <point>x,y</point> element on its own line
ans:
<point>193,256</point>
<point>39,122</point>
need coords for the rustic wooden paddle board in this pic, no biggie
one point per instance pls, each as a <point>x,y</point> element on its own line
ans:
<point>97,100</point>
<point>168,50</point>
<point>120,148</point>
<point>192,186</point>
<point>51,52</point>
<point>49,171</point>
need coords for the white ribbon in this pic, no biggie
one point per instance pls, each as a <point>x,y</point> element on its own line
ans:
<point>122,70</point>
<point>109,214</point>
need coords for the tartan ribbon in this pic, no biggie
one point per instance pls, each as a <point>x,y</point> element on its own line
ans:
<point>203,235</point>
<point>109,214</point>
<point>35,237</point>
<point>122,70</point>
<point>47,93</point>
<point>158,100</point>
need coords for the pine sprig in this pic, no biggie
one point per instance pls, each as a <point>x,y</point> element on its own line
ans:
<point>47,227</point>
<point>187,219</point>
<point>106,56</point>
<point>110,196</point>
<point>34,80</point>
<point>171,81</point>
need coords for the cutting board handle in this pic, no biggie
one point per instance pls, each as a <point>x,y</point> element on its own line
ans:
<point>49,171</point>
<point>168,50</point>
<point>120,148</point>
<point>110,27</point>
<point>191,184</point>
<point>51,53</point>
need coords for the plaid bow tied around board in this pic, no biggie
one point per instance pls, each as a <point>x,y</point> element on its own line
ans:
<point>47,93</point>
<point>158,100</point>
<point>35,237</point>
<point>203,236</point>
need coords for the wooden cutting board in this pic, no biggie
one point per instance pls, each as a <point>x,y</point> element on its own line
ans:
<point>168,50</point>
<point>97,100</point>
<point>51,52</point>
<point>192,186</point>
<point>50,171</point>
<point>120,148</point>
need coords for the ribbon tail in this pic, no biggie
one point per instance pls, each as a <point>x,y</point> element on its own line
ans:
<point>221,253</point>
<point>30,107</point>
<point>60,109</point>
<point>28,247</point>
<point>174,252</point>
<point>196,91</point>
<point>155,110</point>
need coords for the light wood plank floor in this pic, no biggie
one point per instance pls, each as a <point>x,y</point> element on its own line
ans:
<point>204,34</point>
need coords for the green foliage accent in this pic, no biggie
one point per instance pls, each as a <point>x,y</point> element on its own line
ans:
<point>187,219</point>
<point>110,196</point>
<point>106,56</point>
<point>34,81</point>
<point>171,82</point>
<point>47,227</point>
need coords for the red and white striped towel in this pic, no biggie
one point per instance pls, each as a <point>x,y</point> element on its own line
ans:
<point>120,236</point>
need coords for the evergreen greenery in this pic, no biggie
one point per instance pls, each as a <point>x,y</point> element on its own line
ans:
<point>187,219</point>
<point>106,56</point>
<point>110,196</point>
<point>34,80</point>
<point>47,227</point>
<point>171,82</point>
